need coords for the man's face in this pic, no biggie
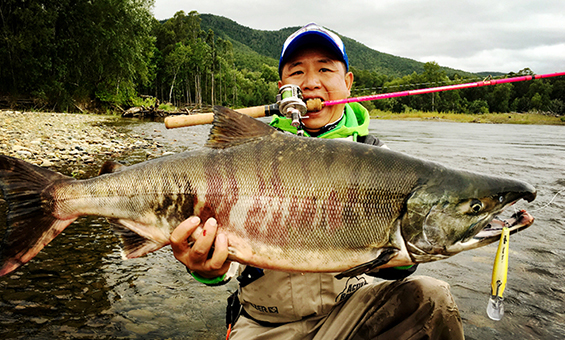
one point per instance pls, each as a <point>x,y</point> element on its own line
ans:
<point>319,75</point>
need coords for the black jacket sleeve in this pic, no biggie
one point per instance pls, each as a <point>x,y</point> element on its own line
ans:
<point>370,139</point>
<point>394,273</point>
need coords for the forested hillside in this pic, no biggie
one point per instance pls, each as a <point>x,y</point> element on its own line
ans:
<point>105,55</point>
<point>269,43</point>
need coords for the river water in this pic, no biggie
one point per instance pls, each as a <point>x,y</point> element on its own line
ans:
<point>79,287</point>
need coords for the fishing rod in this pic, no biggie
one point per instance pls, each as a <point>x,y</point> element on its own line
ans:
<point>291,94</point>
<point>317,104</point>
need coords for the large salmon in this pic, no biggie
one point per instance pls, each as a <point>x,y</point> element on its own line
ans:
<point>285,202</point>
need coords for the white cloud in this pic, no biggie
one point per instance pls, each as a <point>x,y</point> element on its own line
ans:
<point>479,35</point>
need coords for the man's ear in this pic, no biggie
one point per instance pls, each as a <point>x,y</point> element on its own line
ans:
<point>349,80</point>
<point>280,84</point>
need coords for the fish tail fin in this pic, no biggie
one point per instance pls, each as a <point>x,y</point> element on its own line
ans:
<point>30,224</point>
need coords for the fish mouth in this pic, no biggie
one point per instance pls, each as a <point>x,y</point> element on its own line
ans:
<point>492,229</point>
<point>518,221</point>
<point>491,232</point>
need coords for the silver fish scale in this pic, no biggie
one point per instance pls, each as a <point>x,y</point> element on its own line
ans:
<point>285,203</point>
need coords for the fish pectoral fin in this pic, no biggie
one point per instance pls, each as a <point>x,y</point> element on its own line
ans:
<point>134,243</point>
<point>384,257</point>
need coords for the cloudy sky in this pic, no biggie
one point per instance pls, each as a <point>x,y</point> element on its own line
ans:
<point>474,35</point>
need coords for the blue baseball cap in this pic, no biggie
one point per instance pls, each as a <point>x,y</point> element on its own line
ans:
<point>313,34</point>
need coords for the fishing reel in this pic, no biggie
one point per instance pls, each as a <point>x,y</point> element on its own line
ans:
<point>291,104</point>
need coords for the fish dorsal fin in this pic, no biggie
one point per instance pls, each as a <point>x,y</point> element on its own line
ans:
<point>232,128</point>
<point>110,167</point>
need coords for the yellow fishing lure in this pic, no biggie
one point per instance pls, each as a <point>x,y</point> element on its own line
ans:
<point>495,308</point>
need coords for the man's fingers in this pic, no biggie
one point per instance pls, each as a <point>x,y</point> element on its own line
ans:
<point>207,254</point>
<point>220,255</point>
<point>201,247</point>
<point>179,236</point>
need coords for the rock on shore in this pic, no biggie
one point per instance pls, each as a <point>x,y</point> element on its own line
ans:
<point>65,141</point>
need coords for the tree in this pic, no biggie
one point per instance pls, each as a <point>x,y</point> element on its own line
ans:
<point>499,98</point>
<point>200,64</point>
<point>224,61</point>
<point>269,73</point>
<point>539,93</point>
<point>69,52</point>
<point>478,106</point>
<point>433,76</point>
<point>177,60</point>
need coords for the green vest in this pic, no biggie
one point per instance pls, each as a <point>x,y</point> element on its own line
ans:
<point>355,123</point>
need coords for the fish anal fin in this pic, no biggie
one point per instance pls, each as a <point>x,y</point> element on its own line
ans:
<point>137,238</point>
<point>384,257</point>
<point>110,167</point>
<point>135,245</point>
<point>232,128</point>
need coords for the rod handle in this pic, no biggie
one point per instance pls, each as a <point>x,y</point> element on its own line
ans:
<point>207,118</point>
<point>172,122</point>
<point>314,104</point>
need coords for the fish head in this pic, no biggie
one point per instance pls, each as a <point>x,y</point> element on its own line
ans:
<point>460,210</point>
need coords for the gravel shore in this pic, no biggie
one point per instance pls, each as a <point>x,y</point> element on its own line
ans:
<point>66,142</point>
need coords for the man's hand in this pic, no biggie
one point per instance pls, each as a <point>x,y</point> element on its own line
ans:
<point>197,258</point>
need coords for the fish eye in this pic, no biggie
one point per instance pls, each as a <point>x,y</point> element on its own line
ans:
<point>476,206</point>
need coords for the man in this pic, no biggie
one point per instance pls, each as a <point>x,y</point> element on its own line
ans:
<point>281,305</point>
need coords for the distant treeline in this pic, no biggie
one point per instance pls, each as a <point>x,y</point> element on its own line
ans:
<point>105,54</point>
<point>545,96</point>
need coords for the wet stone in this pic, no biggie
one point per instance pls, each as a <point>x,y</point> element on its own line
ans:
<point>46,163</point>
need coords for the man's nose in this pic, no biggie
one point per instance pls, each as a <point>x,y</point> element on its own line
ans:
<point>311,82</point>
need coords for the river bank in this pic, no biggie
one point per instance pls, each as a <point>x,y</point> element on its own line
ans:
<point>486,118</point>
<point>67,142</point>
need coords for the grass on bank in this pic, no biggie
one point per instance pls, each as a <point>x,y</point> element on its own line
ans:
<point>489,118</point>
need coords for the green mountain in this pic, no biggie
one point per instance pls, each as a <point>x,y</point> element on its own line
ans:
<point>253,47</point>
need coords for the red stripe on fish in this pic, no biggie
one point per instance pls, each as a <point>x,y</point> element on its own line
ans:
<point>276,181</point>
<point>293,210</point>
<point>222,191</point>
<point>214,183</point>
<point>257,212</point>
<point>231,192</point>
<point>307,212</point>
<point>334,211</point>
<point>278,232</point>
